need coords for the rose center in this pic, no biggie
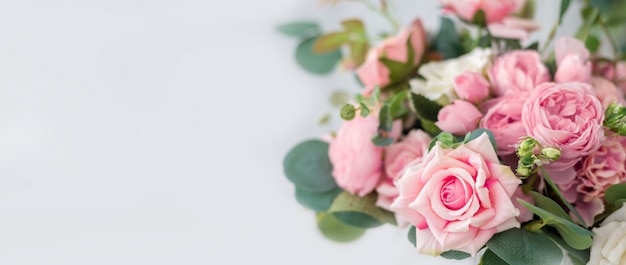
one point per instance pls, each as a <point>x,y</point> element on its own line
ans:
<point>454,193</point>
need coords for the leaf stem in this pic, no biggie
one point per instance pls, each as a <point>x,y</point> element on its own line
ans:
<point>547,178</point>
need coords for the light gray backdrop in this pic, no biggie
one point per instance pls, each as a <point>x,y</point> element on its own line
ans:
<point>152,132</point>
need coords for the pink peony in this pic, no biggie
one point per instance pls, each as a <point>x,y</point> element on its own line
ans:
<point>601,169</point>
<point>471,86</point>
<point>458,198</point>
<point>572,60</point>
<point>458,118</point>
<point>357,162</point>
<point>606,91</point>
<point>504,120</point>
<point>495,10</point>
<point>373,73</point>
<point>513,28</point>
<point>397,156</point>
<point>566,116</point>
<point>517,71</point>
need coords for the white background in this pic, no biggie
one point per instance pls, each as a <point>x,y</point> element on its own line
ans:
<point>153,132</point>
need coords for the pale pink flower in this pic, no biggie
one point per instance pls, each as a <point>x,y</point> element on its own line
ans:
<point>572,60</point>
<point>504,120</point>
<point>458,118</point>
<point>471,86</point>
<point>517,71</point>
<point>495,10</point>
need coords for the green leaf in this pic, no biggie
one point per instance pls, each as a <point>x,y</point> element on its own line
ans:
<point>453,254</point>
<point>556,190</point>
<point>490,258</point>
<point>549,205</point>
<point>447,41</point>
<point>590,19</point>
<point>533,46</point>
<point>477,133</point>
<point>446,138</point>
<point>575,236</point>
<point>577,256</point>
<point>412,236</point>
<point>330,42</point>
<point>563,9</point>
<point>385,119</point>
<point>397,70</point>
<point>615,194</point>
<point>364,110</point>
<point>318,202</point>
<point>382,141</point>
<point>308,167</point>
<point>592,43</point>
<point>528,10</point>
<point>358,42</point>
<point>603,5</point>
<point>320,64</point>
<point>521,247</point>
<point>425,108</point>
<point>480,19</point>
<point>429,127</point>
<point>360,211</point>
<point>335,230</point>
<point>301,29</point>
<point>347,112</point>
<point>396,104</point>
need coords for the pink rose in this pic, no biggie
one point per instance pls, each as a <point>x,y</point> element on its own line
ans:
<point>471,86</point>
<point>513,28</point>
<point>357,162</point>
<point>458,198</point>
<point>495,10</point>
<point>566,116</point>
<point>504,120</point>
<point>602,169</point>
<point>458,118</point>
<point>517,71</point>
<point>373,73</point>
<point>606,91</point>
<point>572,60</point>
<point>616,73</point>
<point>397,156</point>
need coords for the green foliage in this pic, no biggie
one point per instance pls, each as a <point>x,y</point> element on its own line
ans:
<point>300,29</point>
<point>557,191</point>
<point>360,211</point>
<point>578,257</point>
<point>397,108</point>
<point>615,195</point>
<point>424,107</point>
<point>347,112</point>
<point>445,138</point>
<point>490,258</point>
<point>358,43</point>
<point>320,64</point>
<point>521,247</point>
<point>457,255</point>
<point>429,126</point>
<point>528,10</point>
<point>316,201</point>
<point>412,236</point>
<point>447,41</point>
<point>336,230</point>
<point>477,133</point>
<point>480,19</point>
<point>330,42</point>
<point>385,124</point>
<point>307,166</point>
<point>364,110</point>
<point>590,18</point>
<point>564,6</point>
<point>592,43</point>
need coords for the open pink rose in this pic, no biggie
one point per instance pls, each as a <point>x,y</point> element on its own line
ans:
<point>397,157</point>
<point>458,118</point>
<point>517,71</point>
<point>357,162</point>
<point>495,10</point>
<point>504,120</point>
<point>373,73</point>
<point>566,116</point>
<point>458,198</point>
<point>471,86</point>
<point>572,60</point>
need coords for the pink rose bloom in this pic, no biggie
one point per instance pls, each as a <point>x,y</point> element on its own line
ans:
<point>471,86</point>
<point>518,71</point>
<point>458,198</point>
<point>458,118</point>
<point>504,120</point>
<point>525,215</point>
<point>572,60</point>
<point>566,116</point>
<point>495,10</point>
<point>606,91</point>
<point>602,169</point>
<point>613,73</point>
<point>513,28</point>
<point>397,156</point>
<point>373,73</point>
<point>357,162</point>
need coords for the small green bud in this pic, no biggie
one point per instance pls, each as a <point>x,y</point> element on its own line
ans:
<point>523,171</point>
<point>526,147</point>
<point>551,153</point>
<point>446,138</point>
<point>347,112</point>
<point>527,160</point>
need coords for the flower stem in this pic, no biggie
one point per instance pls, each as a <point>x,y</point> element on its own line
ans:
<point>384,11</point>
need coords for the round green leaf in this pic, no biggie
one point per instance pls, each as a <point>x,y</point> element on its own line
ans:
<point>300,29</point>
<point>360,211</point>
<point>454,254</point>
<point>614,194</point>
<point>490,258</point>
<point>319,202</point>
<point>316,63</point>
<point>519,246</point>
<point>412,236</point>
<point>308,167</point>
<point>335,230</point>
<point>357,219</point>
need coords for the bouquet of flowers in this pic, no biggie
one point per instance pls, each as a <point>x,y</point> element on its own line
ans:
<point>473,140</point>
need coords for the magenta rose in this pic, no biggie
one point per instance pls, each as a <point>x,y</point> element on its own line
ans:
<point>397,157</point>
<point>375,74</point>
<point>471,86</point>
<point>357,162</point>
<point>504,120</point>
<point>517,71</point>
<point>457,198</point>
<point>458,118</point>
<point>572,60</point>
<point>495,10</point>
<point>566,116</point>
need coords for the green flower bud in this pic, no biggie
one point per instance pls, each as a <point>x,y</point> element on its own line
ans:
<point>523,171</point>
<point>527,160</point>
<point>551,153</point>
<point>347,112</point>
<point>526,147</point>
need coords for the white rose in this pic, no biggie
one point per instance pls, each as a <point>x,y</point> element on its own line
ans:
<point>439,76</point>
<point>609,242</point>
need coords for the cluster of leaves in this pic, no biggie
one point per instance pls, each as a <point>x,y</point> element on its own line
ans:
<point>341,216</point>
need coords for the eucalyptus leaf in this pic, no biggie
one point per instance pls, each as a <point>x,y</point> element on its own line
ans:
<point>447,41</point>
<point>412,235</point>
<point>335,230</point>
<point>519,246</point>
<point>454,254</point>
<point>577,256</point>
<point>320,64</point>
<point>424,107</point>
<point>308,167</point>
<point>430,127</point>
<point>564,6</point>
<point>381,141</point>
<point>318,202</point>
<point>490,258</point>
<point>385,119</point>
<point>301,29</point>
<point>477,133</point>
<point>369,215</point>
<point>614,194</point>
<point>330,42</point>
<point>549,205</point>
